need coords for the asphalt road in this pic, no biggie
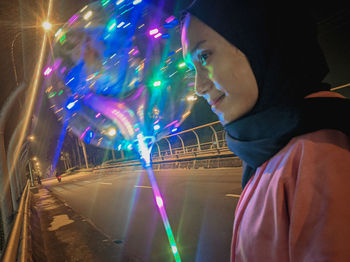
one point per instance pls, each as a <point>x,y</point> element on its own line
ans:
<point>200,205</point>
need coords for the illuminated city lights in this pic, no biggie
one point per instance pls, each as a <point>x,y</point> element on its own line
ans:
<point>111,25</point>
<point>47,25</point>
<point>63,39</point>
<point>157,83</point>
<point>191,98</point>
<point>84,8</point>
<point>87,15</point>
<point>136,2</point>
<point>157,35</point>
<point>52,94</point>
<point>72,19</point>
<point>112,131</point>
<point>169,19</point>
<point>159,201</point>
<point>182,65</point>
<point>119,2</point>
<point>105,2</point>
<point>153,31</point>
<point>120,24</point>
<point>125,26</point>
<point>174,249</point>
<point>59,31</point>
<point>156,127</point>
<point>71,105</point>
<point>47,71</point>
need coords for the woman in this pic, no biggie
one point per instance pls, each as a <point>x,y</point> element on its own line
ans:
<point>259,65</point>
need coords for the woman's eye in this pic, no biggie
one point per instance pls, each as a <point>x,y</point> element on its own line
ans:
<point>203,58</point>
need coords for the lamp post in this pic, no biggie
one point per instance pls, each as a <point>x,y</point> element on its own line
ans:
<point>5,196</point>
<point>13,57</point>
<point>47,26</point>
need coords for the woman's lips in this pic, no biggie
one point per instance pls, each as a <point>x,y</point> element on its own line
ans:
<point>217,101</point>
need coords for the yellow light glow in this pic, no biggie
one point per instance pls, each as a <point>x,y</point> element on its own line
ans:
<point>47,25</point>
<point>88,15</point>
<point>191,98</point>
<point>112,131</point>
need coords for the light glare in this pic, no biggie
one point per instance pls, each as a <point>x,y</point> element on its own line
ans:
<point>47,25</point>
<point>112,131</point>
<point>159,201</point>
<point>88,15</point>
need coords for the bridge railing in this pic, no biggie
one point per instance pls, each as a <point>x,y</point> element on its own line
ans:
<point>200,147</point>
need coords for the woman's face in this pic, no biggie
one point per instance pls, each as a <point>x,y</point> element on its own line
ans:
<point>223,74</point>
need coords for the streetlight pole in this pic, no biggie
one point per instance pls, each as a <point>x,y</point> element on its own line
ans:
<point>5,202</point>
<point>31,174</point>
<point>85,155</point>
<point>13,57</point>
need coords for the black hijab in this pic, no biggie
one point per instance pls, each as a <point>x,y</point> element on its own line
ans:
<point>280,41</point>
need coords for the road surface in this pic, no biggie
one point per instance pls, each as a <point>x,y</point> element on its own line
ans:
<point>200,205</point>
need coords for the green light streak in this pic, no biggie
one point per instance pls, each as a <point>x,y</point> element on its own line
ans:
<point>111,25</point>
<point>105,2</point>
<point>182,65</point>
<point>63,38</point>
<point>51,95</point>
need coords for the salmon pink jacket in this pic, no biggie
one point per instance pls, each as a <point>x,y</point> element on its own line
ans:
<point>296,207</point>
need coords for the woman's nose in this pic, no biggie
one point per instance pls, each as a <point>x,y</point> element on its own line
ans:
<point>202,84</point>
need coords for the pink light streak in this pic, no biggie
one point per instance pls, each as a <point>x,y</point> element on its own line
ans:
<point>47,71</point>
<point>72,19</point>
<point>169,19</point>
<point>84,133</point>
<point>174,122</point>
<point>163,214</point>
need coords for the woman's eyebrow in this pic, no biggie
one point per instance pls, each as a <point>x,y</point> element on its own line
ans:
<point>197,46</point>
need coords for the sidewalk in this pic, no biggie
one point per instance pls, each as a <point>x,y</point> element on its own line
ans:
<point>59,234</point>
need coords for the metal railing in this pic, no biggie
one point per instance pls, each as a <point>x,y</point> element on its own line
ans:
<point>12,251</point>
<point>204,149</point>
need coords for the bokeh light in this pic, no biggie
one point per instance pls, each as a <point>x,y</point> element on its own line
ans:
<point>117,65</point>
<point>47,25</point>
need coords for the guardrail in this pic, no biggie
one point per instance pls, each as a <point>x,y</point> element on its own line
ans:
<point>21,225</point>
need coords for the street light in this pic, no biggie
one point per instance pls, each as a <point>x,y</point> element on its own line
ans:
<point>47,25</point>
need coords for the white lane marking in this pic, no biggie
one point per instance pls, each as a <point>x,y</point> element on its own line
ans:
<point>232,195</point>
<point>87,181</point>
<point>144,186</point>
<point>105,183</point>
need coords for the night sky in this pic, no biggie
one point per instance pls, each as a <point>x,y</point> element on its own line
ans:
<point>334,32</point>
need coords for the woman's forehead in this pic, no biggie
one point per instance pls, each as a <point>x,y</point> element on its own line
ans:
<point>193,32</point>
